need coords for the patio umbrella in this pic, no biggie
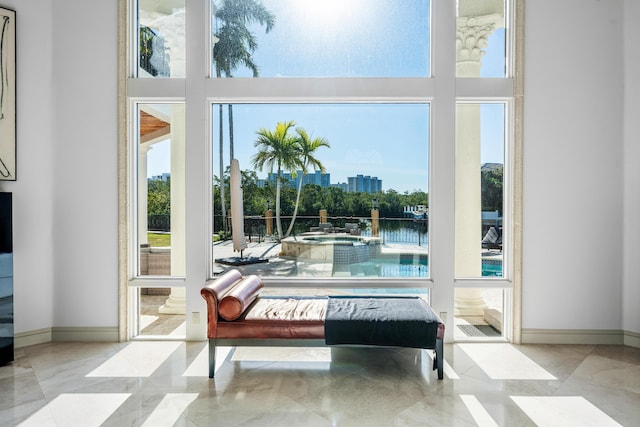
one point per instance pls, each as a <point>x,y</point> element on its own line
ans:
<point>237,209</point>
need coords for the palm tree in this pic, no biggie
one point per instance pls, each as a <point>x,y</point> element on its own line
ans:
<point>276,149</point>
<point>235,48</point>
<point>306,148</point>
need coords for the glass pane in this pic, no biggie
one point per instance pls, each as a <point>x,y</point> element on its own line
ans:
<point>161,38</point>
<point>157,316</point>
<point>479,183</point>
<point>479,314</point>
<point>321,38</point>
<point>481,42</point>
<point>161,187</point>
<point>355,205</point>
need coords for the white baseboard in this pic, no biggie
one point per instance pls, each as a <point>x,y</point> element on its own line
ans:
<point>574,336</point>
<point>98,334</point>
<point>632,339</point>
<point>25,339</point>
<point>40,336</point>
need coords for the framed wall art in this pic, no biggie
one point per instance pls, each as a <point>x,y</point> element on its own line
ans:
<point>7,94</point>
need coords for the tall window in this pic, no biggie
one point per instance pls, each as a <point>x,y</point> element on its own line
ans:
<point>355,144</point>
<point>322,193</point>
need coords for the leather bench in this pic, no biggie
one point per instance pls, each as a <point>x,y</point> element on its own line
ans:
<point>237,316</point>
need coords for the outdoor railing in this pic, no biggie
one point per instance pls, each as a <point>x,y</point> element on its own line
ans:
<point>391,230</point>
<point>159,223</point>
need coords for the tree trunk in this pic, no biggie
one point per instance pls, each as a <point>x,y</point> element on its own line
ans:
<point>295,209</point>
<point>278,221</point>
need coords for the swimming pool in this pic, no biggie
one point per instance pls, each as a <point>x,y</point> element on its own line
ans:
<point>414,266</point>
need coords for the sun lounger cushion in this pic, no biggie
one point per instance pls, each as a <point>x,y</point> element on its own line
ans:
<point>236,301</point>
<point>492,236</point>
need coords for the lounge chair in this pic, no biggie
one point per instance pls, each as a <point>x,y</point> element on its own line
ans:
<point>492,240</point>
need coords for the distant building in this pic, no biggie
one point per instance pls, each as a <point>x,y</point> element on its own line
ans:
<point>316,178</point>
<point>364,184</point>
<point>164,177</point>
<point>358,183</point>
<point>341,185</point>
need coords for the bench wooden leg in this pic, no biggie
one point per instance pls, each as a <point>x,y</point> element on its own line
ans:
<point>438,363</point>
<point>212,357</point>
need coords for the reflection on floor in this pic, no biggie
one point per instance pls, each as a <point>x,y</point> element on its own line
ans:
<point>164,383</point>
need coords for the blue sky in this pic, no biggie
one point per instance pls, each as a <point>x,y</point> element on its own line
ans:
<point>345,39</point>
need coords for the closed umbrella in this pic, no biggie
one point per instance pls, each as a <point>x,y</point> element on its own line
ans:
<point>237,209</point>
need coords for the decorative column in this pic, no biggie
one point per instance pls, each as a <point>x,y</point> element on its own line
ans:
<point>375,224</point>
<point>476,21</point>
<point>375,215</point>
<point>176,303</point>
<point>323,216</point>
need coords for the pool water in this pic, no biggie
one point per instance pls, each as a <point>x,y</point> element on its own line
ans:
<point>418,267</point>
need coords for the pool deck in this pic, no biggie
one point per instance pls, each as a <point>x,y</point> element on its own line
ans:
<point>286,266</point>
<point>280,265</point>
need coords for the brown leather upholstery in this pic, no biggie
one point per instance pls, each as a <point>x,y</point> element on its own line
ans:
<point>266,317</point>
<point>239,297</point>
<point>213,292</point>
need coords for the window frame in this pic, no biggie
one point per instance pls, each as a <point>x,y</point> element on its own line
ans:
<point>200,91</point>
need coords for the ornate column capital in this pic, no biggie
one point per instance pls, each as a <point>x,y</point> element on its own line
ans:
<point>471,36</point>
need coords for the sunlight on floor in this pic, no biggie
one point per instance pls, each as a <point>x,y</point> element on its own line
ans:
<point>477,411</point>
<point>81,409</point>
<point>169,409</point>
<point>504,362</point>
<point>147,320</point>
<point>449,372</point>
<point>138,359</point>
<point>566,411</point>
<point>200,365</point>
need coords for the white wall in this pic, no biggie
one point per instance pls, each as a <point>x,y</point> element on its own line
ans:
<point>65,198</point>
<point>631,272</point>
<point>33,192</point>
<point>66,194</point>
<point>572,266</point>
<point>85,163</point>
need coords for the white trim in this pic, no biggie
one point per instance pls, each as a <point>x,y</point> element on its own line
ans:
<point>574,336</point>
<point>38,336</point>
<point>198,224</point>
<point>330,89</point>
<point>483,87</point>
<point>352,282</point>
<point>157,282</point>
<point>482,283</point>
<point>86,334</point>
<point>632,339</point>
<point>59,334</point>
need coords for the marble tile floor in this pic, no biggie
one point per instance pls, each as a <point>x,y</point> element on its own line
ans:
<point>165,383</point>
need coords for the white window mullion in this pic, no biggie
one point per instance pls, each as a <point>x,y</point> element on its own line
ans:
<point>198,232</point>
<point>441,182</point>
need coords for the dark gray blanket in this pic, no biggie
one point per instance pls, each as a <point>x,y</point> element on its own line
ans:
<point>386,321</point>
